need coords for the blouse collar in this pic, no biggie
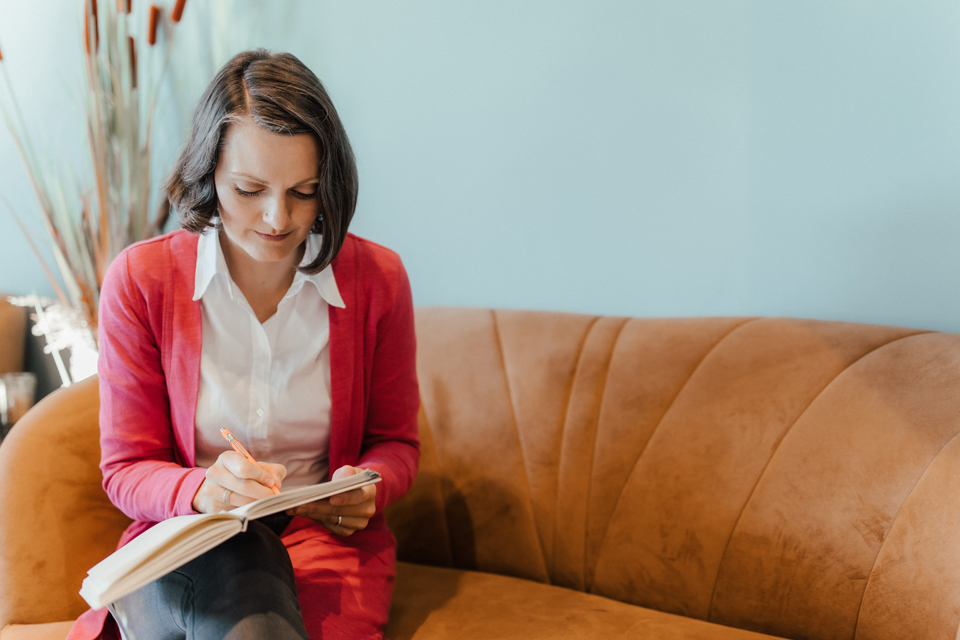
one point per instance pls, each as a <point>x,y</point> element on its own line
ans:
<point>210,262</point>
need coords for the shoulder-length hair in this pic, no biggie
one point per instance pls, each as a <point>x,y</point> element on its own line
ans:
<point>281,95</point>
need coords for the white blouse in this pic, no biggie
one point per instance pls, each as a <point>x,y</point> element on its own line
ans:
<point>268,383</point>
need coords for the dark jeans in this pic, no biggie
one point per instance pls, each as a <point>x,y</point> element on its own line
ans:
<point>242,589</point>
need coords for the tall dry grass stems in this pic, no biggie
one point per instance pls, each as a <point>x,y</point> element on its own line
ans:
<point>89,221</point>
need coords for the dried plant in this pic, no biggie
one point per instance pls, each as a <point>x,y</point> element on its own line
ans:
<point>90,221</point>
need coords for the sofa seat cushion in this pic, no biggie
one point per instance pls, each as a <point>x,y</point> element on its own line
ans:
<point>49,631</point>
<point>433,602</point>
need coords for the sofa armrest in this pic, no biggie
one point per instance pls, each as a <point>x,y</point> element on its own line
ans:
<point>55,519</point>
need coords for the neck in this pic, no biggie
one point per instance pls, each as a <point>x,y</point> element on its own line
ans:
<point>263,284</point>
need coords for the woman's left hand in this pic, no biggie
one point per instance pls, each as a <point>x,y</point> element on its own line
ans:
<point>345,513</point>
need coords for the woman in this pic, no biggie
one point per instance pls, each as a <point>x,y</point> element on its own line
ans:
<point>264,316</point>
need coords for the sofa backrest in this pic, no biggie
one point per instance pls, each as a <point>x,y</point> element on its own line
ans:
<point>800,478</point>
<point>787,476</point>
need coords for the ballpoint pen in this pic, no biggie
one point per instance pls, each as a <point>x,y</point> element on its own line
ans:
<point>239,448</point>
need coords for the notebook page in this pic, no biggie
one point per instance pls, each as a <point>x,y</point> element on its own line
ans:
<point>173,558</point>
<point>135,552</point>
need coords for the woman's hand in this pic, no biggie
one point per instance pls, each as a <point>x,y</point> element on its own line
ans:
<point>344,513</point>
<point>234,481</point>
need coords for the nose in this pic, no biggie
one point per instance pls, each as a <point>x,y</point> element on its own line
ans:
<point>276,213</point>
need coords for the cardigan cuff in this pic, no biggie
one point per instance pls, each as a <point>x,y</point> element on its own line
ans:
<point>188,489</point>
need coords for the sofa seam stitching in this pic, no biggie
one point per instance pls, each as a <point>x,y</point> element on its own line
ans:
<point>593,456</point>
<point>776,448</point>
<point>563,431</point>
<point>666,411</point>
<point>873,568</point>
<point>516,430</point>
<point>856,623</point>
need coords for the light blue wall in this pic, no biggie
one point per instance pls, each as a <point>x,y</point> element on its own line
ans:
<point>639,158</point>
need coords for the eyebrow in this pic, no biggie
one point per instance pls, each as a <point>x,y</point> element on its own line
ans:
<point>240,174</point>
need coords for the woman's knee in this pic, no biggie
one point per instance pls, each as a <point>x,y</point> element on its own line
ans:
<point>248,576</point>
<point>256,551</point>
<point>257,542</point>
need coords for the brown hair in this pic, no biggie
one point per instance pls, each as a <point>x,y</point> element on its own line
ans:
<point>281,95</point>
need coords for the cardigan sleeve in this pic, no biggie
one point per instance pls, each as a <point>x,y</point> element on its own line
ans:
<point>141,472</point>
<point>391,443</point>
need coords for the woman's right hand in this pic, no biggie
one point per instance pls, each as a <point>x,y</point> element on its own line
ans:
<point>234,481</point>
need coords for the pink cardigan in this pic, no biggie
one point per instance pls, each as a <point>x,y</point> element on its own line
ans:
<point>150,339</point>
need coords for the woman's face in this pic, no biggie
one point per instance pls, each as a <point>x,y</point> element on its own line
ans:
<point>267,191</point>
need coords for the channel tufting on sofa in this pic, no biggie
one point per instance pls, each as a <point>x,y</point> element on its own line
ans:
<point>601,477</point>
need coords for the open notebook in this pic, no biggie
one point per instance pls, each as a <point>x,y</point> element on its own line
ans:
<point>175,542</point>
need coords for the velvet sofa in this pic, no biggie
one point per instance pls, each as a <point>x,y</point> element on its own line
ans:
<point>600,477</point>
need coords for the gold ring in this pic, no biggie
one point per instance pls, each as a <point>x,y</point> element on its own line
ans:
<point>226,496</point>
<point>339,520</point>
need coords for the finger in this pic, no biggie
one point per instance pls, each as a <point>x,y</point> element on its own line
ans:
<point>368,492</point>
<point>222,476</point>
<point>243,468</point>
<point>357,496</point>
<point>316,510</point>
<point>223,497</point>
<point>277,470</point>
<point>322,508</point>
<point>349,498</point>
<point>230,499</point>
<point>240,498</point>
<point>344,526</point>
<point>344,472</point>
<point>250,488</point>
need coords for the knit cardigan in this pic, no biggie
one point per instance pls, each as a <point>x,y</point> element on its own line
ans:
<point>150,345</point>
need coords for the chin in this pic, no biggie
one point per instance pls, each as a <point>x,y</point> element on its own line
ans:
<point>282,251</point>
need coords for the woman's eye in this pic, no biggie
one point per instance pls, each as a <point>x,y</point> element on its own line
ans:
<point>246,193</point>
<point>305,196</point>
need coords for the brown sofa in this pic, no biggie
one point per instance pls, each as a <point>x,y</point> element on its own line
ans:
<point>588,477</point>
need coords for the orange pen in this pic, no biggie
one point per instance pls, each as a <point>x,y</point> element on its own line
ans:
<point>239,448</point>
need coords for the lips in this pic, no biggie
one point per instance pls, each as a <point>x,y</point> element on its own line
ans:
<point>273,238</point>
